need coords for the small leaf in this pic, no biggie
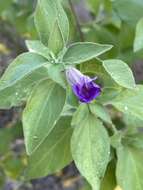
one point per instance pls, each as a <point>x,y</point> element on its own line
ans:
<point>84,51</point>
<point>129,169</point>
<point>39,48</point>
<point>56,73</point>
<point>54,151</point>
<point>90,149</point>
<point>42,112</point>
<point>16,94</point>
<point>47,12</point>
<point>56,41</point>
<point>80,114</point>
<point>21,67</point>
<point>100,111</point>
<point>138,43</point>
<point>71,98</point>
<point>120,72</point>
<point>130,102</point>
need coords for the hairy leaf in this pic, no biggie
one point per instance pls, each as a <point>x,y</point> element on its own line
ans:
<point>47,13</point>
<point>21,67</point>
<point>120,72</point>
<point>130,102</point>
<point>42,112</point>
<point>84,51</point>
<point>90,149</point>
<point>54,151</point>
<point>129,169</point>
<point>39,48</point>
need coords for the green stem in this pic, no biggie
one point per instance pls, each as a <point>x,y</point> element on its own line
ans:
<point>113,128</point>
<point>77,21</point>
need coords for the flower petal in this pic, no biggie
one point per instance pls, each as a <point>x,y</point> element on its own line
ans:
<point>83,86</point>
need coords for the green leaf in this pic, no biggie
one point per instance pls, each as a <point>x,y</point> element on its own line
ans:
<point>100,111</point>
<point>129,11</point>
<point>56,41</point>
<point>138,43</point>
<point>21,67</point>
<point>129,169</point>
<point>71,98</point>
<point>91,149</point>
<point>80,114</point>
<point>56,73</point>
<point>84,51</point>
<point>135,140</point>
<point>42,111</point>
<point>120,72</point>
<point>47,13</point>
<point>133,124</point>
<point>18,93</point>
<point>54,151</point>
<point>130,102</point>
<point>38,48</point>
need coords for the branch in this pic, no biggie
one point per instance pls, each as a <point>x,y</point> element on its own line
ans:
<point>77,21</point>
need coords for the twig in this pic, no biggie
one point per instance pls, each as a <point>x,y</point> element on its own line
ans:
<point>77,21</point>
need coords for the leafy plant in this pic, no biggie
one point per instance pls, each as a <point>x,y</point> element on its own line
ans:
<point>67,115</point>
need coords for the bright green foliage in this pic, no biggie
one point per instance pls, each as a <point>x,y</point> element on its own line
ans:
<point>91,150</point>
<point>138,43</point>
<point>81,52</point>
<point>39,48</point>
<point>54,152</point>
<point>120,72</point>
<point>20,77</point>
<point>52,24</point>
<point>22,66</point>
<point>80,114</point>
<point>101,112</point>
<point>129,169</point>
<point>56,41</point>
<point>130,101</point>
<point>42,112</point>
<point>56,73</point>
<point>101,137</point>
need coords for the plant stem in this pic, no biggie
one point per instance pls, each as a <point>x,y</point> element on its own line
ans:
<point>77,21</point>
<point>114,129</point>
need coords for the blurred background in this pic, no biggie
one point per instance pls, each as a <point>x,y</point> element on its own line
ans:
<point>102,21</point>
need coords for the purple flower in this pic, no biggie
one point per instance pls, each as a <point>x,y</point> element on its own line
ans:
<point>83,86</point>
